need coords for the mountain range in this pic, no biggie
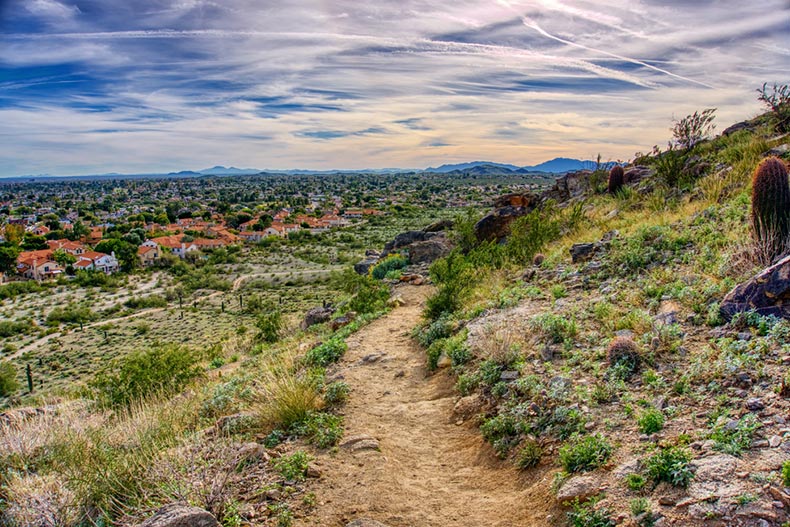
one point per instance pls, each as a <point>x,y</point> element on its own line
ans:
<point>559,165</point>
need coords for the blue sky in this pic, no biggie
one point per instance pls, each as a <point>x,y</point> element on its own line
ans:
<point>100,86</point>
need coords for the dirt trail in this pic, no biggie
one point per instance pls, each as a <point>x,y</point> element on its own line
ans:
<point>428,471</point>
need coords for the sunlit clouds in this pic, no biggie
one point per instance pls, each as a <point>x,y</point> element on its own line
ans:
<point>156,85</point>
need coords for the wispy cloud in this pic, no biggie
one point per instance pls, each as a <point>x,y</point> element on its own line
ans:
<point>173,84</point>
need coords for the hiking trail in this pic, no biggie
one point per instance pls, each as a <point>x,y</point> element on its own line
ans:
<point>428,471</point>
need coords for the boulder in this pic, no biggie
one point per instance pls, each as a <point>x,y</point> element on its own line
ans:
<point>636,174</point>
<point>765,293</point>
<point>570,185</point>
<point>737,127</point>
<point>582,251</point>
<point>317,315</point>
<point>345,320</point>
<point>405,239</point>
<point>579,488</point>
<point>363,267</point>
<point>429,250</point>
<point>525,201</point>
<point>441,225</point>
<point>180,515</point>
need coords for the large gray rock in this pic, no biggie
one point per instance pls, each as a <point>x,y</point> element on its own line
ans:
<point>363,267</point>
<point>767,293</point>
<point>429,250</point>
<point>317,315</point>
<point>496,224</point>
<point>580,488</point>
<point>180,515</point>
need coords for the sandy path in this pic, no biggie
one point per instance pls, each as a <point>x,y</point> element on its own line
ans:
<point>429,471</point>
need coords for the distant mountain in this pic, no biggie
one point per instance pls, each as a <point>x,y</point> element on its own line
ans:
<point>219,170</point>
<point>467,166</point>
<point>559,165</point>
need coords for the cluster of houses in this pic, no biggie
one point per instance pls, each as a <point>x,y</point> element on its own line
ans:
<point>41,264</point>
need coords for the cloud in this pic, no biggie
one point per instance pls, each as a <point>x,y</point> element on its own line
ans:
<point>112,85</point>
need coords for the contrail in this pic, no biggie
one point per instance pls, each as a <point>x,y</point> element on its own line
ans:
<point>532,25</point>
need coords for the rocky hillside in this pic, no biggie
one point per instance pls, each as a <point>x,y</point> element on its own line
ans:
<point>599,342</point>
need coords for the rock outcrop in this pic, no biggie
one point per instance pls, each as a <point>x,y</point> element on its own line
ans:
<point>496,224</point>
<point>317,315</point>
<point>766,293</point>
<point>180,515</point>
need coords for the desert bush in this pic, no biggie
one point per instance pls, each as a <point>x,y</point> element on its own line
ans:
<point>320,428</point>
<point>14,289</point>
<point>293,467</point>
<point>671,465</point>
<point>771,207</point>
<point>670,165</point>
<point>288,400</point>
<point>586,515</point>
<point>777,99</point>
<point>529,455</point>
<point>146,302</point>
<point>270,325</point>
<point>502,432</point>
<point>734,440</point>
<point>394,262</point>
<point>623,353</point>
<point>786,473</point>
<point>336,393</point>
<point>651,421</point>
<point>616,179</point>
<point>530,233</point>
<point>70,314</point>
<point>434,330</point>
<point>694,128</point>
<point>161,370</point>
<point>10,328</point>
<point>585,453</point>
<point>453,276</point>
<point>8,381</point>
<point>366,295</point>
<point>557,328</point>
<point>327,352</point>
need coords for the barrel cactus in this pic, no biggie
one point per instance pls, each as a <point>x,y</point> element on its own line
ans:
<point>771,207</point>
<point>616,179</point>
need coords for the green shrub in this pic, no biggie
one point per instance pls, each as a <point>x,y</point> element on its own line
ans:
<point>336,393</point>
<point>320,428</point>
<point>586,515</point>
<point>293,467</point>
<point>557,328</point>
<point>437,329</point>
<point>529,455</point>
<point>501,431</point>
<point>635,482</point>
<point>71,314</point>
<point>786,473</point>
<point>8,381</point>
<point>734,440</point>
<point>651,421</point>
<point>393,262</point>
<point>161,370</point>
<point>145,302</point>
<point>10,328</point>
<point>585,453</point>
<point>327,352</point>
<point>670,465</point>
<point>366,295</point>
<point>777,99</point>
<point>270,325</point>
<point>453,276</point>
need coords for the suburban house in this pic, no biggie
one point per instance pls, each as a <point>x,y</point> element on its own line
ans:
<point>96,261</point>
<point>149,255</point>
<point>281,229</point>
<point>173,245</point>
<point>40,230</point>
<point>38,265</point>
<point>252,236</point>
<point>73,248</point>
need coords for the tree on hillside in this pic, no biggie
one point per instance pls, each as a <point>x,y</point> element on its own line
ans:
<point>8,255</point>
<point>32,242</point>
<point>125,252</point>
